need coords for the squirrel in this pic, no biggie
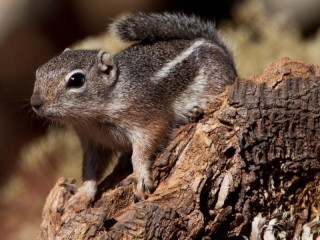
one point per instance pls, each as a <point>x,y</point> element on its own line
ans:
<point>129,102</point>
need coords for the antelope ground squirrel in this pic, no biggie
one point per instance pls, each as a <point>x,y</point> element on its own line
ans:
<point>129,102</point>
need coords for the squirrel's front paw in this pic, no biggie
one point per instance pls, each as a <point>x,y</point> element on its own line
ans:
<point>82,197</point>
<point>143,188</point>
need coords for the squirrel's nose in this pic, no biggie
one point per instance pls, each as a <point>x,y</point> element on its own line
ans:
<point>36,101</point>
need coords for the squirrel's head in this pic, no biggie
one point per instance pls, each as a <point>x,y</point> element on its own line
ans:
<point>72,85</point>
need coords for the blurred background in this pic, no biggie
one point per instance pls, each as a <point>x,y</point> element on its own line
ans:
<point>33,154</point>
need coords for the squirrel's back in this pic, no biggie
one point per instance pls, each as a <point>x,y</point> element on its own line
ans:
<point>166,26</point>
<point>177,57</point>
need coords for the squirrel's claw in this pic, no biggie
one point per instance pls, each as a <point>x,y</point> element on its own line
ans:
<point>142,189</point>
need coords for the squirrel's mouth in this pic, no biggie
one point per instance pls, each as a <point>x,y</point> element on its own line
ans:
<point>57,116</point>
<point>47,113</point>
<point>38,111</point>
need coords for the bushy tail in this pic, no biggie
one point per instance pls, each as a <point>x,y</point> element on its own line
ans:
<point>165,26</point>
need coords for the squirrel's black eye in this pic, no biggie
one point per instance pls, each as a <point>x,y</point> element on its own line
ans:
<point>76,80</point>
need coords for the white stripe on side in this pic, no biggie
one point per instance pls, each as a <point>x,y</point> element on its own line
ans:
<point>164,72</point>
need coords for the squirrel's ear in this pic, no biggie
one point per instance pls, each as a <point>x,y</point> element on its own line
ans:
<point>105,62</point>
<point>67,49</point>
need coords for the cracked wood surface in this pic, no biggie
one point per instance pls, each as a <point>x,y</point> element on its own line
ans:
<point>253,158</point>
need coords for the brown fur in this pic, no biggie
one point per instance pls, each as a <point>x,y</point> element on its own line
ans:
<point>129,102</point>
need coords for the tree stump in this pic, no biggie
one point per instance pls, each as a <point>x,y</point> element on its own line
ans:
<point>248,170</point>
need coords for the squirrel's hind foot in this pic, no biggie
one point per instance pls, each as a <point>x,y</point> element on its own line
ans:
<point>195,114</point>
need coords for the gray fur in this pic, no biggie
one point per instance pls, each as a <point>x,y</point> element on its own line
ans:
<point>130,102</point>
<point>165,26</point>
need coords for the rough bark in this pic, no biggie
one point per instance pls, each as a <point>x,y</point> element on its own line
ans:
<point>249,168</point>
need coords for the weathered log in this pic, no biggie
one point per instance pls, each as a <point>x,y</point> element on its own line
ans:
<point>249,168</point>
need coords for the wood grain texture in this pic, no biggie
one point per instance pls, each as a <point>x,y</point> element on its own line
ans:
<point>251,162</point>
